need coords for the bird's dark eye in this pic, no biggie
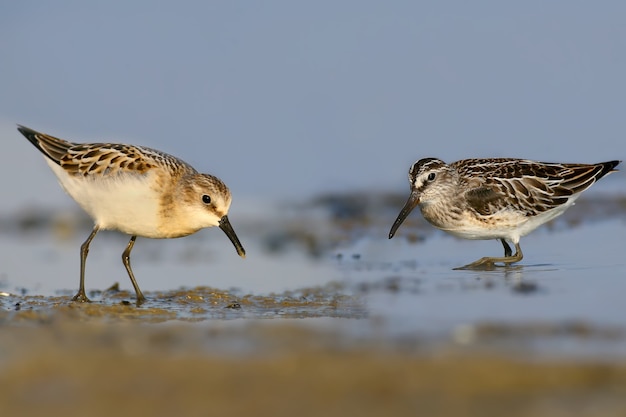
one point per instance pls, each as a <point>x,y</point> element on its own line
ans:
<point>206,199</point>
<point>431,176</point>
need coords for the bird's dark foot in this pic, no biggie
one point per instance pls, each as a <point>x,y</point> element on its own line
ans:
<point>140,300</point>
<point>81,297</point>
<point>489,264</point>
<point>483,264</point>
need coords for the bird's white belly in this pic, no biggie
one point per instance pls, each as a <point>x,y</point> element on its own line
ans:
<point>126,203</point>
<point>510,225</point>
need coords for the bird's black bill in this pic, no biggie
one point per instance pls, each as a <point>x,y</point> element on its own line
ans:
<point>228,229</point>
<point>408,207</point>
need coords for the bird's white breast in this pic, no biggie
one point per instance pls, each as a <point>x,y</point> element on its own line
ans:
<point>128,203</point>
<point>506,224</point>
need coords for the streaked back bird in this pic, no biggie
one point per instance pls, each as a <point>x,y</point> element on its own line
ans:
<point>499,198</point>
<point>136,190</point>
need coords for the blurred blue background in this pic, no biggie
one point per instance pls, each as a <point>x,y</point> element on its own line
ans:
<point>285,99</point>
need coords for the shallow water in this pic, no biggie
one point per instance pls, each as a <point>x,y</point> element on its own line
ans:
<point>564,297</point>
<point>324,316</point>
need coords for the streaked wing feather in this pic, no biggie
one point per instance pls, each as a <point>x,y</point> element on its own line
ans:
<point>486,200</point>
<point>527,186</point>
<point>53,148</point>
<point>103,159</point>
<point>111,159</point>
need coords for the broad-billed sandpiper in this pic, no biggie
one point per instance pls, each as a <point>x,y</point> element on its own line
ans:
<point>499,198</point>
<point>136,190</point>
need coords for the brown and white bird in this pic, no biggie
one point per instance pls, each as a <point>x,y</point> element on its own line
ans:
<point>136,190</point>
<point>498,198</point>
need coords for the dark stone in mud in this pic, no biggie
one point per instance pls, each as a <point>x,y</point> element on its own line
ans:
<point>393,284</point>
<point>525,287</point>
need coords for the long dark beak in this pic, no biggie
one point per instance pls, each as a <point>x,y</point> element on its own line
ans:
<point>228,229</point>
<point>413,201</point>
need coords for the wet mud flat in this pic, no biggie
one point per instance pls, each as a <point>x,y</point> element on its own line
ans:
<point>202,351</point>
<point>383,328</point>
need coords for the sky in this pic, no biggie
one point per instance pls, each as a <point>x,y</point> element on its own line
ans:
<point>288,99</point>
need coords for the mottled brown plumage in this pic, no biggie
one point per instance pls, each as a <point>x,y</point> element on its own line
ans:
<point>498,198</point>
<point>136,190</point>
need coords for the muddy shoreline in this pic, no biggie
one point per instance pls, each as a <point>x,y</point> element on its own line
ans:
<point>384,329</point>
<point>74,363</point>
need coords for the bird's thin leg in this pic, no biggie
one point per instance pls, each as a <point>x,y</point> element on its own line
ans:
<point>81,296</point>
<point>507,249</point>
<point>126,260</point>
<point>487,263</point>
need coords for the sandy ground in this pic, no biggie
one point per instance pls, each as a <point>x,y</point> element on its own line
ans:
<point>63,358</point>
<point>201,351</point>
